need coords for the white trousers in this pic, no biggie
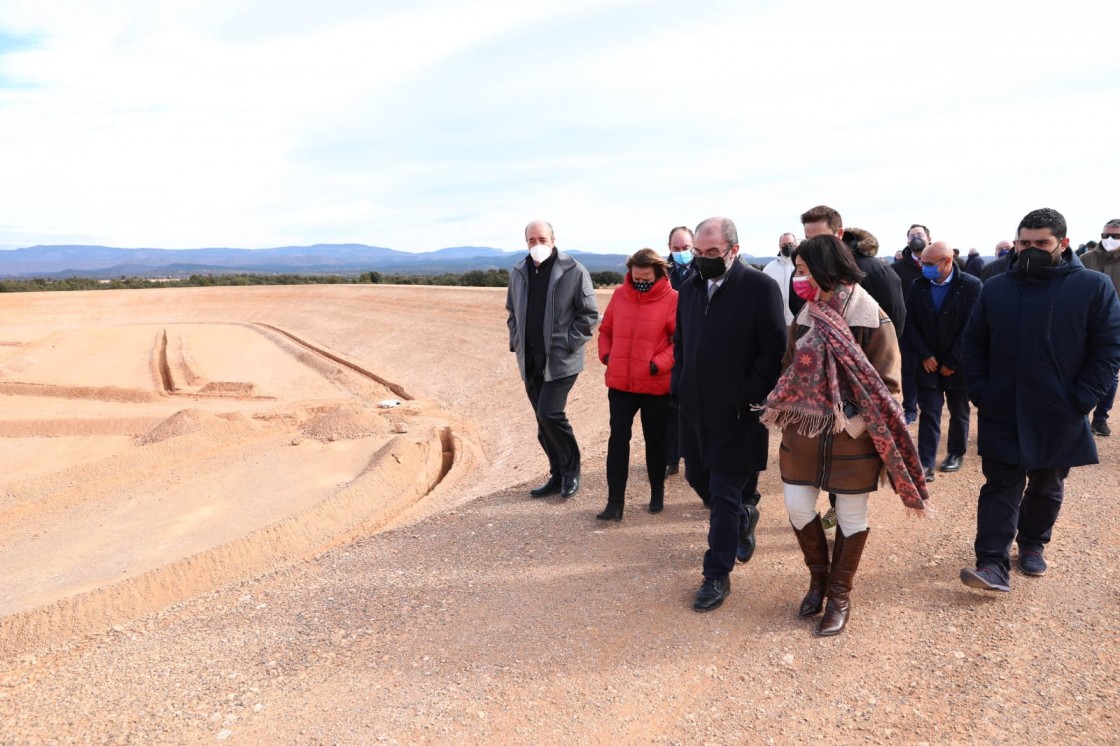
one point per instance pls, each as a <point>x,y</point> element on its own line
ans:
<point>801,504</point>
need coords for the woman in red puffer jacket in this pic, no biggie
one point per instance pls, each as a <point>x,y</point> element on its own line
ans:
<point>636,345</point>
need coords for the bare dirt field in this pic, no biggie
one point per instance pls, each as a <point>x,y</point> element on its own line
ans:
<point>211,531</point>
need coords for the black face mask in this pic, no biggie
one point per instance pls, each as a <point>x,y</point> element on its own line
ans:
<point>917,245</point>
<point>1033,259</point>
<point>786,250</point>
<point>642,286</point>
<point>710,268</point>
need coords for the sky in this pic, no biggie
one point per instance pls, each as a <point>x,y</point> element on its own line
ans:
<point>432,123</point>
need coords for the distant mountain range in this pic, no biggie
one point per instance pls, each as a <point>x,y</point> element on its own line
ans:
<point>342,259</point>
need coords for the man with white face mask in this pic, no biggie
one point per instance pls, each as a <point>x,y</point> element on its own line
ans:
<point>552,311</point>
<point>1105,258</point>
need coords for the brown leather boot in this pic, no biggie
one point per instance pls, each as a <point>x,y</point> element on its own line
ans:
<point>814,546</point>
<point>845,560</point>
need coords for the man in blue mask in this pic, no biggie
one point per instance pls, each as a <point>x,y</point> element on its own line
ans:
<point>937,310</point>
<point>680,270</point>
<point>1041,349</point>
<point>1004,250</point>
<point>680,255</point>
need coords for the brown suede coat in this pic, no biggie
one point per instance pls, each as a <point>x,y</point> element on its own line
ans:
<point>836,462</point>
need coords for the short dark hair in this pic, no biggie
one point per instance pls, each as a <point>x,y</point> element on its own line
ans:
<point>825,213</point>
<point>919,225</point>
<point>830,261</point>
<point>1044,217</point>
<point>684,228</point>
<point>649,258</point>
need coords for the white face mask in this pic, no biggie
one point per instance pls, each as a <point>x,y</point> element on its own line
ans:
<point>1110,244</point>
<point>540,252</point>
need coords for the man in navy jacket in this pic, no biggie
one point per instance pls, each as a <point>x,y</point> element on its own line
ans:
<point>1041,348</point>
<point>728,349</point>
<point>937,310</point>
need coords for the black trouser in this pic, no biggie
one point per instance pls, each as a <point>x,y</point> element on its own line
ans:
<point>655,410</point>
<point>553,429</point>
<point>673,433</point>
<point>910,367</point>
<point>724,494</point>
<point>931,399</point>
<point>1007,512</point>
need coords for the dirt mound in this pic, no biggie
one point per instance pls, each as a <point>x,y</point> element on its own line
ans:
<point>185,422</point>
<point>347,421</point>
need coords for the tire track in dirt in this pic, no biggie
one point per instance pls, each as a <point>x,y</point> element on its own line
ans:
<point>396,388</point>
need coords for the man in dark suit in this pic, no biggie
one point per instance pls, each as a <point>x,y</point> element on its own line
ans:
<point>728,349</point>
<point>1004,251</point>
<point>936,313</point>
<point>909,269</point>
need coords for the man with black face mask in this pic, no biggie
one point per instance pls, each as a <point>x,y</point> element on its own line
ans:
<point>908,269</point>
<point>1040,350</point>
<point>728,348</point>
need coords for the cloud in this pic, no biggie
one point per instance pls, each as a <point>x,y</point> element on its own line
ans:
<point>252,124</point>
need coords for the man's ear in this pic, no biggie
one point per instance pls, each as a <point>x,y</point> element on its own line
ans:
<point>839,232</point>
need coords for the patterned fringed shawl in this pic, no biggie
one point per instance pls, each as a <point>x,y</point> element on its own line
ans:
<point>829,368</point>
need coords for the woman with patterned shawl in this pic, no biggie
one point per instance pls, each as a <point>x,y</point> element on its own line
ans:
<point>842,429</point>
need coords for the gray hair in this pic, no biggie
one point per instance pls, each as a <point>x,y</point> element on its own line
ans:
<point>726,229</point>
<point>551,233</point>
<point>1114,223</point>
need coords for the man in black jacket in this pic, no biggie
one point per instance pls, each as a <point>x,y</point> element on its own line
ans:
<point>1004,251</point>
<point>728,349</point>
<point>908,269</point>
<point>938,309</point>
<point>1040,350</point>
<point>975,265</point>
<point>879,282</point>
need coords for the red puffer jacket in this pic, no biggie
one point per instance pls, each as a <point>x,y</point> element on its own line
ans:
<point>637,330</point>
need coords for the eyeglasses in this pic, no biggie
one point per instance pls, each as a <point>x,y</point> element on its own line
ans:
<point>719,254</point>
<point>1110,235</point>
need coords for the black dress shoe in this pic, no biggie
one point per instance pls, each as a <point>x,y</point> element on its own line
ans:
<point>570,486</point>
<point>551,487</point>
<point>745,550</point>
<point>930,476</point>
<point>711,593</point>
<point>951,463</point>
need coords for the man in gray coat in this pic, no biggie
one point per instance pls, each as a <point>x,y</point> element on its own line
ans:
<point>552,311</point>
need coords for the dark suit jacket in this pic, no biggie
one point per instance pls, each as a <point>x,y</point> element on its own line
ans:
<point>728,355</point>
<point>940,334</point>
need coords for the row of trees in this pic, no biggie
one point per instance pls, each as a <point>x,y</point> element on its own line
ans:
<point>474,278</point>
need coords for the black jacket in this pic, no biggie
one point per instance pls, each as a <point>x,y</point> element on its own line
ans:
<point>728,356</point>
<point>995,267</point>
<point>907,270</point>
<point>1039,353</point>
<point>678,273</point>
<point>885,287</point>
<point>974,266</point>
<point>940,334</point>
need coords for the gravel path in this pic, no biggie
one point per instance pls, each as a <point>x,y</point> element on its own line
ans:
<point>511,620</point>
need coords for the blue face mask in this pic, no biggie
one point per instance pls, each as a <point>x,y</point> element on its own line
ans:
<point>931,273</point>
<point>682,257</point>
